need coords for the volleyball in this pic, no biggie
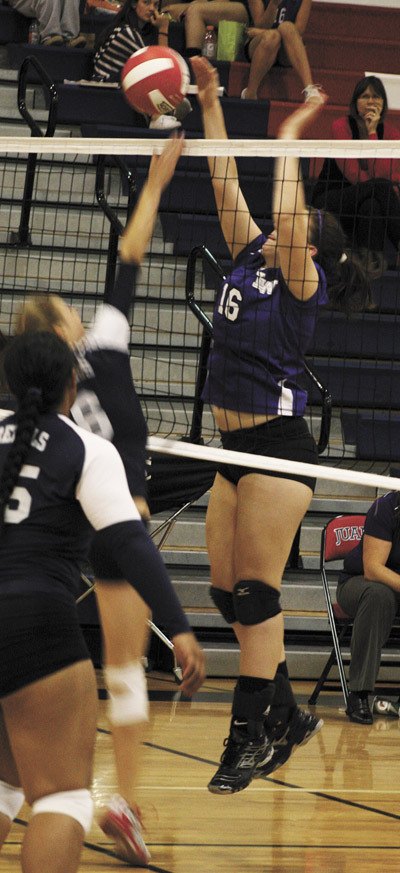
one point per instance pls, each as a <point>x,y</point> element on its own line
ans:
<point>155,79</point>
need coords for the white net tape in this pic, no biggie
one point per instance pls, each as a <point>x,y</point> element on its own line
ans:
<point>203,148</point>
<point>245,459</point>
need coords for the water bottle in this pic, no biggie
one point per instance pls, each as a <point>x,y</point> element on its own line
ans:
<point>33,37</point>
<point>209,49</point>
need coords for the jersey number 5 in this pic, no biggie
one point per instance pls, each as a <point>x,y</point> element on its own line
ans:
<point>20,496</point>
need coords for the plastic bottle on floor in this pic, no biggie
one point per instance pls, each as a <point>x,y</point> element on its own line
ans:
<point>33,37</point>
<point>209,49</point>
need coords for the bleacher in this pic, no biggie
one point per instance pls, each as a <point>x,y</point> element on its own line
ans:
<point>357,358</point>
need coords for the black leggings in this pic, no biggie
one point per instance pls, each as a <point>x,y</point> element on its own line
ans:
<point>368,212</point>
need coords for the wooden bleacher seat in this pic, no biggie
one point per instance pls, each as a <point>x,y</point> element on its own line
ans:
<point>374,433</point>
<point>356,383</point>
<point>369,334</point>
<point>60,63</point>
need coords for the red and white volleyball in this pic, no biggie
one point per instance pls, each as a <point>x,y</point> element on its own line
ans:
<point>155,79</point>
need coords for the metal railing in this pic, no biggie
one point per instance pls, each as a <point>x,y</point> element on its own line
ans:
<point>22,236</point>
<point>116,226</point>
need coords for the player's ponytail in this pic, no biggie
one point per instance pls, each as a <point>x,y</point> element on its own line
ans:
<point>38,368</point>
<point>349,289</point>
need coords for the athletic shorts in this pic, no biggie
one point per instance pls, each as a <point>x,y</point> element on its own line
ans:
<point>39,635</point>
<point>283,437</point>
<point>282,59</point>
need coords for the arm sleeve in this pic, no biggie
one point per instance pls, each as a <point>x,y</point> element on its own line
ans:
<point>121,546</point>
<point>126,550</point>
<point>123,292</point>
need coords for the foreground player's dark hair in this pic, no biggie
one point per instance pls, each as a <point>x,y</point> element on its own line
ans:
<point>118,20</point>
<point>38,367</point>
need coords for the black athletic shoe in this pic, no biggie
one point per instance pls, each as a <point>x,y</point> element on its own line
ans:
<point>358,709</point>
<point>296,732</point>
<point>242,755</point>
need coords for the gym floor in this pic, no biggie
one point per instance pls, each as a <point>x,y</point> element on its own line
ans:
<point>334,806</point>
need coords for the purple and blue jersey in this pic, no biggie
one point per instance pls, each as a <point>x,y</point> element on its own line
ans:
<point>287,11</point>
<point>261,334</point>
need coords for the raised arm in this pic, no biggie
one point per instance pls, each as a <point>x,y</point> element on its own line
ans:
<point>161,22</point>
<point>137,235</point>
<point>140,227</point>
<point>291,216</point>
<point>236,222</point>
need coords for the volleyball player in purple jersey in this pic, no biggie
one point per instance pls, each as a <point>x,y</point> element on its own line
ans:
<point>58,483</point>
<point>107,404</point>
<point>275,36</point>
<point>264,319</point>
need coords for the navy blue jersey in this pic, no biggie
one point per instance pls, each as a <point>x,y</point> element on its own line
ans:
<point>381,523</point>
<point>261,334</point>
<point>107,403</point>
<point>71,483</point>
<point>287,11</point>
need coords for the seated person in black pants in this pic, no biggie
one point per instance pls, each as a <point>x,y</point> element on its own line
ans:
<point>369,592</point>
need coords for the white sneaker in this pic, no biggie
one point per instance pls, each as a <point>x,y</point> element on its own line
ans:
<point>312,91</point>
<point>164,122</point>
<point>125,827</point>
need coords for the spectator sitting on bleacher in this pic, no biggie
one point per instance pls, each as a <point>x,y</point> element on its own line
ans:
<point>276,38</point>
<point>58,20</point>
<point>364,193</point>
<point>137,25</point>
<point>198,14</point>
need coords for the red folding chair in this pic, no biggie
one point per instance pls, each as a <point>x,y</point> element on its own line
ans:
<point>339,537</point>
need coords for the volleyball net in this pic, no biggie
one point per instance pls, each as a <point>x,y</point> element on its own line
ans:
<point>63,205</point>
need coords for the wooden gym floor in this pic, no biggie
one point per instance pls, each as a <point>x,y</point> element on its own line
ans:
<point>333,808</point>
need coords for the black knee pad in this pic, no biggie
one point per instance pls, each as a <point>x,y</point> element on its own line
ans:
<point>224,602</point>
<point>254,601</point>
